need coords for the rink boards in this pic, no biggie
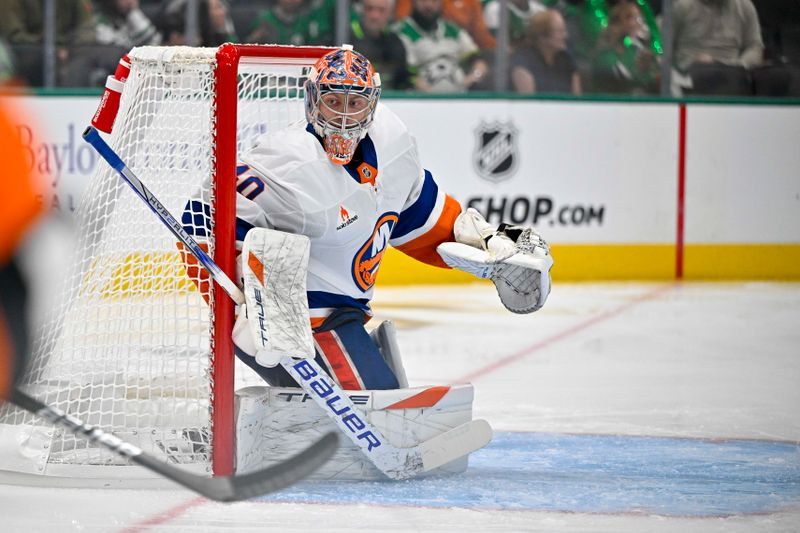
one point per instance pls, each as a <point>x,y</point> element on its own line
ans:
<point>623,190</point>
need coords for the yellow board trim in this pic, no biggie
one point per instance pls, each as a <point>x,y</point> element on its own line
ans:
<point>779,262</point>
<point>613,262</point>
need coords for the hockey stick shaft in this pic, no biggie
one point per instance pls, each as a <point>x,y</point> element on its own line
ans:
<point>397,463</point>
<point>230,488</point>
<point>92,136</point>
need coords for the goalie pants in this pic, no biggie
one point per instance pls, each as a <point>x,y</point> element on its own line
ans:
<point>344,350</point>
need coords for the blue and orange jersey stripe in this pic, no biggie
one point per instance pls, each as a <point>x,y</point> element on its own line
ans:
<point>426,223</point>
<point>321,304</point>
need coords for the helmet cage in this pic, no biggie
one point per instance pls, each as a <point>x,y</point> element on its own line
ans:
<point>343,129</point>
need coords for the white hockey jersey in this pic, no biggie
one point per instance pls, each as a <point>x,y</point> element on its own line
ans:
<point>350,213</point>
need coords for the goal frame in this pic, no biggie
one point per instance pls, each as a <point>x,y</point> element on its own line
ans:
<point>229,56</point>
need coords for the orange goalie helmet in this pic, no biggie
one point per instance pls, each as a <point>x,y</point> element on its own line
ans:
<point>342,92</point>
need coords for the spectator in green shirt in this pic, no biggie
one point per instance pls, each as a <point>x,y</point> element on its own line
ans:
<point>295,22</point>
<point>519,12</point>
<point>216,26</point>
<point>6,63</point>
<point>370,35</point>
<point>625,62</point>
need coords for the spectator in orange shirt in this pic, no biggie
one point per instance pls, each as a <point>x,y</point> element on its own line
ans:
<point>467,14</point>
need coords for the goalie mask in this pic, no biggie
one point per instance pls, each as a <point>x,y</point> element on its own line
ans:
<point>342,91</point>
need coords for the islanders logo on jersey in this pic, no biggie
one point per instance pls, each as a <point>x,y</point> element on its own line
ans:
<point>368,258</point>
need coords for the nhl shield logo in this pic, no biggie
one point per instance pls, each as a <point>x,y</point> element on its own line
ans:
<point>496,156</point>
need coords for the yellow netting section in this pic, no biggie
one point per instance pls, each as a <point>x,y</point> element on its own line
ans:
<point>138,274</point>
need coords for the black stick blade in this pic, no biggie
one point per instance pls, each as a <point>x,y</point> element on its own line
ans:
<point>241,487</point>
<point>223,489</point>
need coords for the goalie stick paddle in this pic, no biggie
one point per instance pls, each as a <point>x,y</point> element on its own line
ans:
<point>223,489</point>
<point>396,463</point>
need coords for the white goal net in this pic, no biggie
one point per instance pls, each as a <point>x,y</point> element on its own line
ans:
<point>131,347</point>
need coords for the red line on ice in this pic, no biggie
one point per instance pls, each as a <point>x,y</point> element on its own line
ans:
<point>521,354</point>
<point>166,516</point>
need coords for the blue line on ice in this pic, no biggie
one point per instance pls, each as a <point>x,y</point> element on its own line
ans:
<point>595,474</point>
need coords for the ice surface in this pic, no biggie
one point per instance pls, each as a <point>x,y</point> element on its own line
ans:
<point>595,474</point>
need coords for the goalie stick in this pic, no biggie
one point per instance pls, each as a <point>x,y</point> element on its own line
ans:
<point>223,489</point>
<point>394,462</point>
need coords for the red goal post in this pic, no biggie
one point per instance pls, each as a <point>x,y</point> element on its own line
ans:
<point>229,57</point>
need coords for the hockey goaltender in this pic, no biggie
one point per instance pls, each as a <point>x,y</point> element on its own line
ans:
<point>349,179</point>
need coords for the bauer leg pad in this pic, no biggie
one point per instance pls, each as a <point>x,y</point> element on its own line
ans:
<point>275,423</point>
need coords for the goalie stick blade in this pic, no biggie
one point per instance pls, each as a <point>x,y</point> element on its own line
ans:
<point>223,489</point>
<point>439,450</point>
<point>456,443</point>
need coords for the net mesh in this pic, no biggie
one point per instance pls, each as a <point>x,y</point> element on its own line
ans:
<point>130,347</point>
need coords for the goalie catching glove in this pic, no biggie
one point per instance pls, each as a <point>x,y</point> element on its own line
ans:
<point>274,267</point>
<point>516,259</point>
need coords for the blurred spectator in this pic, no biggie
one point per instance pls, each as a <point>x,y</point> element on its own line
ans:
<point>587,19</point>
<point>295,22</point>
<point>625,61</point>
<point>22,24</point>
<point>6,63</point>
<point>780,30</point>
<point>650,35</point>
<point>467,14</point>
<point>543,64</point>
<point>122,23</point>
<point>655,6</point>
<point>216,26</point>
<point>321,22</point>
<point>370,35</point>
<point>718,46</point>
<point>437,49</point>
<point>519,12</point>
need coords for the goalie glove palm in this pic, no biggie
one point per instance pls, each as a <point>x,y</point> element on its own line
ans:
<point>523,280</point>
<point>516,259</point>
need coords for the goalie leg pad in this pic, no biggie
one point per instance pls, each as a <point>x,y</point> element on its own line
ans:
<point>274,423</point>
